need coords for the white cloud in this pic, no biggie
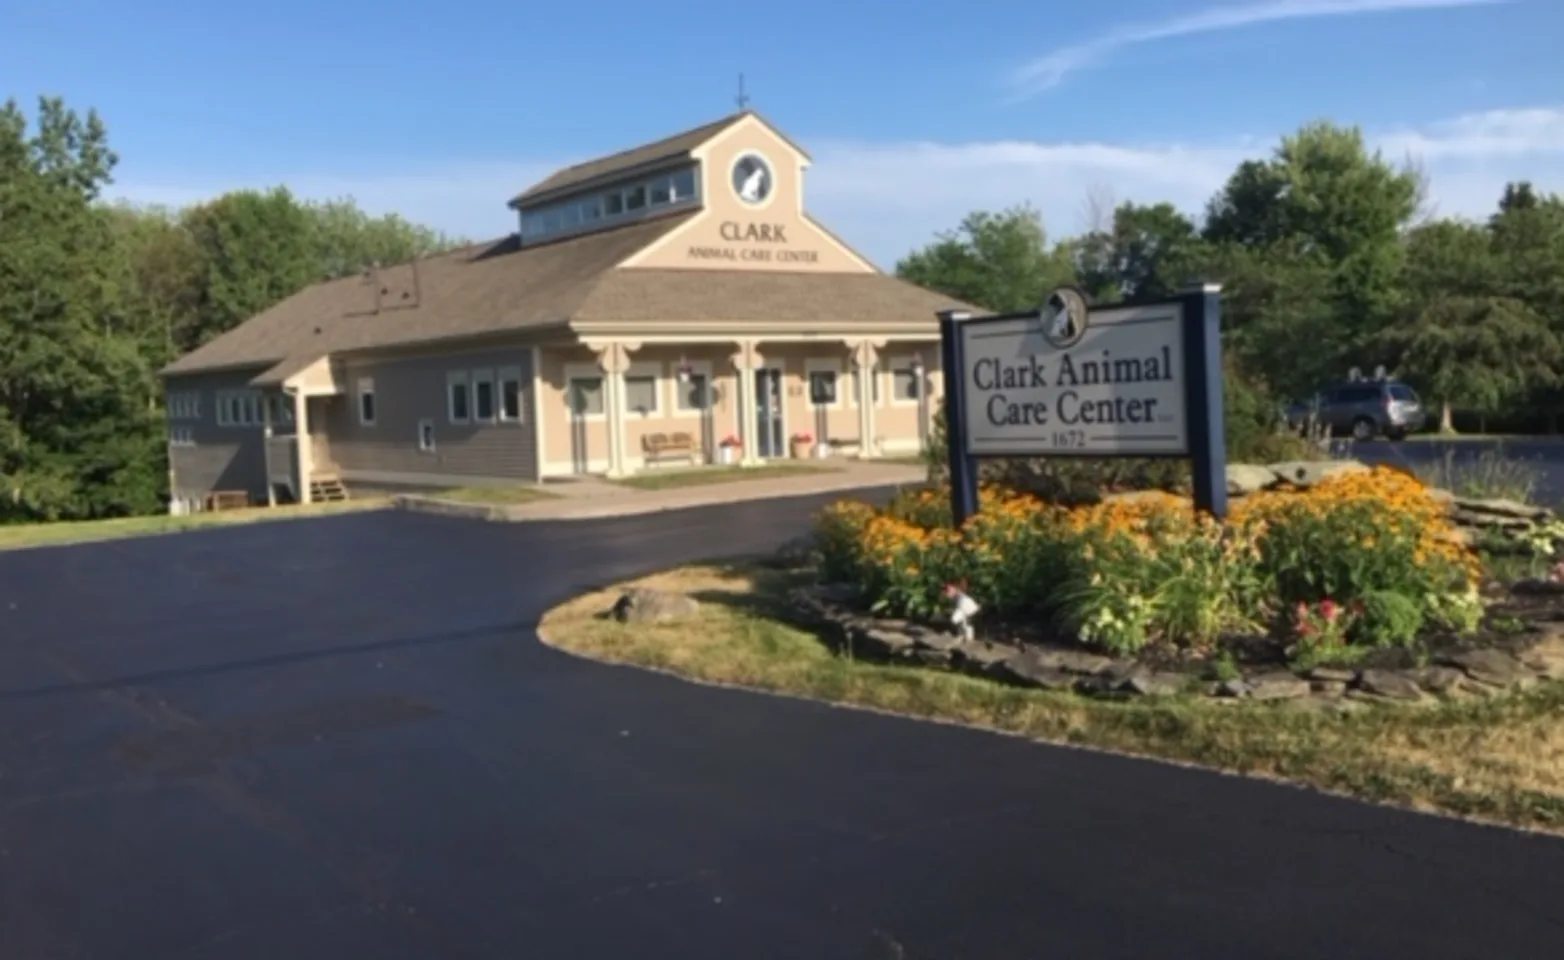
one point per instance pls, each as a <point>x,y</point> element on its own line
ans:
<point>887,198</point>
<point>1049,70</point>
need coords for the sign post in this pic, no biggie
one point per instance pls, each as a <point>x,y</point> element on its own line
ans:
<point>1140,379</point>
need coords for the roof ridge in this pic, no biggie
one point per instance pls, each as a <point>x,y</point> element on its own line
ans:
<point>601,158</point>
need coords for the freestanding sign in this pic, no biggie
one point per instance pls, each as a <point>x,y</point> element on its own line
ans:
<point>1068,380</point>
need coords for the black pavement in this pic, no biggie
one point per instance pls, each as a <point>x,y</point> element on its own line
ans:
<point>1542,457</point>
<point>340,738</point>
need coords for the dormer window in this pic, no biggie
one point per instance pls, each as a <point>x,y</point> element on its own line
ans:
<point>622,202</point>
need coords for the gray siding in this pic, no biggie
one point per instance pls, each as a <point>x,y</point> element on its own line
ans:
<point>410,389</point>
<point>222,458</point>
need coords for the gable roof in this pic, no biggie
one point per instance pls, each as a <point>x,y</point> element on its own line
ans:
<point>481,289</point>
<point>680,146</point>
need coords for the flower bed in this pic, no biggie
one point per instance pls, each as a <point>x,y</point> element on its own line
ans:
<point>1356,562</point>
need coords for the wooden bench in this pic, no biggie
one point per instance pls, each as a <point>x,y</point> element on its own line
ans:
<point>658,447</point>
<point>227,500</point>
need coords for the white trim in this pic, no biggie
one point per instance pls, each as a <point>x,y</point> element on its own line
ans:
<point>434,443</point>
<point>700,368</point>
<point>567,468</point>
<point>249,410</point>
<point>641,370</point>
<point>538,416</point>
<point>455,378</point>
<point>477,377</point>
<point>181,437</point>
<point>813,365</point>
<point>771,171</point>
<point>877,384</point>
<point>501,376</point>
<point>586,371</point>
<point>365,387</point>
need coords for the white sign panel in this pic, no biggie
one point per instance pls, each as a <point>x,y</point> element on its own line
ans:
<point>1067,383</point>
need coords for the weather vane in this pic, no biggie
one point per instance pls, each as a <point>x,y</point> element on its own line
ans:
<point>742,98</point>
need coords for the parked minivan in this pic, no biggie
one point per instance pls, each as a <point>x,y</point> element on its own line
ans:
<point>1364,409</point>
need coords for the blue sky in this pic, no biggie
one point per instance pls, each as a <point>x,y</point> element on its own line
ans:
<point>916,112</point>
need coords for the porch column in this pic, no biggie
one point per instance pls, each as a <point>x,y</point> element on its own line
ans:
<point>613,358</point>
<point>865,354</point>
<point>302,454</point>
<point>266,448</point>
<point>746,360</point>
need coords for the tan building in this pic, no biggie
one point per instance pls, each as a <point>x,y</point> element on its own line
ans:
<point>673,303</point>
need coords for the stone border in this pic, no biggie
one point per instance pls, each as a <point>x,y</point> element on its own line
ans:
<point>1464,673</point>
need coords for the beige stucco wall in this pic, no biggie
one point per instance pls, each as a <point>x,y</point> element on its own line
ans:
<point>731,234</point>
<point>896,423</point>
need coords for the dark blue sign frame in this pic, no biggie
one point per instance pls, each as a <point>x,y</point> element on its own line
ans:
<point>1201,319</point>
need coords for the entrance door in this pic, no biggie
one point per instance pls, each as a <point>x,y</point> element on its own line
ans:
<point>768,410</point>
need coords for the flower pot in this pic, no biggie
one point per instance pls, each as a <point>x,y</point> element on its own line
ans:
<point>726,455</point>
<point>801,449</point>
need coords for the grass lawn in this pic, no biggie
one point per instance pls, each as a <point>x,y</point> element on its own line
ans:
<point>496,495</point>
<point>1500,759</point>
<point>22,536</point>
<point>700,476</point>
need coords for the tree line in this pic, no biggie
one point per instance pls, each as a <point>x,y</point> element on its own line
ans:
<point>1329,260</point>
<point>96,297</point>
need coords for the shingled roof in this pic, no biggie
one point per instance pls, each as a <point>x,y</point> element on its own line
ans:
<point>481,289</point>
<point>651,155</point>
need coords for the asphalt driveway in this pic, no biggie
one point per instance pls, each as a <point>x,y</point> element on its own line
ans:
<point>339,738</point>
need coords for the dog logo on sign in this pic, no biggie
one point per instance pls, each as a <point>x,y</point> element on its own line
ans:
<point>1064,316</point>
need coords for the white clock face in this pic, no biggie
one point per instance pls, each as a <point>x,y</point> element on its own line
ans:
<point>752,179</point>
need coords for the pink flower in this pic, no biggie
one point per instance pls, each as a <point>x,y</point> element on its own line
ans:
<point>1329,610</point>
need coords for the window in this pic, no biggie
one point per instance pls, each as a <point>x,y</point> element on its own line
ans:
<point>1402,392</point>
<point>458,404</point>
<point>641,394</point>
<point>282,408</point>
<point>694,393</point>
<point>181,437</point>
<point>426,436</point>
<point>822,388</point>
<point>366,401</point>
<point>483,396</point>
<point>905,385</point>
<point>613,204</point>
<point>635,197</point>
<point>238,408</point>
<point>684,185</point>
<point>184,406</point>
<point>662,191</point>
<point>584,396</point>
<point>510,394</point>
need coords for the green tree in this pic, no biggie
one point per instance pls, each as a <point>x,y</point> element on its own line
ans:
<point>346,239</point>
<point>999,261</point>
<point>1148,252</point>
<point>78,433</point>
<point>257,248</point>
<point>1326,207</point>
<point>1479,353</point>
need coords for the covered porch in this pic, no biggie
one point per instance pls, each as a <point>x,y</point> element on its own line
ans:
<point>618,405</point>
<point>299,465</point>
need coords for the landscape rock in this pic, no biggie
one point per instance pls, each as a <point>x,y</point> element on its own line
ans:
<point>1488,521</point>
<point>1503,508</point>
<point>1151,684</point>
<point>1389,684</point>
<point>926,639</point>
<point>1444,681</point>
<point>1277,685</point>
<point>1232,688</point>
<point>1306,473</point>
<point>1533,587</point>
<point>1028,670</point>
<point>1546,656</point>
<point>1335,674</point>
<point>645,605</point>
<point>981,656</point>
<point>1246,478</point>
<point>883,642</point>
<point>1073,661</point>
<point>1491,667</point>
<point>1328,688</point>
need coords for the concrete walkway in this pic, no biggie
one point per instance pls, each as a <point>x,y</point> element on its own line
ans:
<point>591,497</point>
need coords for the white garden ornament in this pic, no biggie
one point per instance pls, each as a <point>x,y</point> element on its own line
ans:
<point>965,609</point>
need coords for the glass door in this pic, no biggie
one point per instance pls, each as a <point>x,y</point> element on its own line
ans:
<point>770,441</point>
